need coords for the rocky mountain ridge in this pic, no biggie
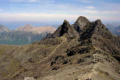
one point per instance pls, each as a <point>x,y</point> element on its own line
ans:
<point>82,51</point>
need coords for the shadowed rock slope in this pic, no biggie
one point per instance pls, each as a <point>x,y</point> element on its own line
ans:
<point>82,51</point>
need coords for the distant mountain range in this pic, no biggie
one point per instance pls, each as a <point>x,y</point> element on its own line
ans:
<point>37,30</point>
<point>28,33</point>
<point>114,29</point>
<point>23,35</point>
<point>3,28</point>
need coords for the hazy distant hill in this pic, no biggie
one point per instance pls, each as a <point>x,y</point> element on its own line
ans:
<point>23,35</point>
<point>37,30</point>
<point>114,29</point>
<point>3,29</point>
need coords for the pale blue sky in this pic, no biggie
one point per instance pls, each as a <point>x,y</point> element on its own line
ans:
<point>46,12</point>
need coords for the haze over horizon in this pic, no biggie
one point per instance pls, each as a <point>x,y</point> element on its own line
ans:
<point>14,13</point>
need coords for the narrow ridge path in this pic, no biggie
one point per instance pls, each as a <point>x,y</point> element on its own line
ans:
<point>64,40</point>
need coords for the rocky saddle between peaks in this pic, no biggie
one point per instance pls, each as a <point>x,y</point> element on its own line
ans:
<point>81,51</point>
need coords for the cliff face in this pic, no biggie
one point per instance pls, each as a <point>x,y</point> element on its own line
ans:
<point>82,51</point>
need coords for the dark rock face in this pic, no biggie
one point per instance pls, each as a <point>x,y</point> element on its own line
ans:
<point>89,33</point>
<point>65,28</point>
<point>104,39</point>
<point>81,23</point>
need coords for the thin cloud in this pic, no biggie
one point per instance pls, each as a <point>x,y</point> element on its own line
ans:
<point>90,7</point>
<point>30,1</point>
<point>46,17</point>
<point>35,17</point>
<point>49,10</point>
<point>33,0</point>
<point>85,1</point>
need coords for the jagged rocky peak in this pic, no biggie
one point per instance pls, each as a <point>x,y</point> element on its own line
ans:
<point>101,28</point>
<point>66,23</point>
<point>62,29</point>
<point>65,28</point>
<point>82,19</point>
<point>98,21</point>
<point>82,27</point>
<point>81,23</point>
<point>99,24</point>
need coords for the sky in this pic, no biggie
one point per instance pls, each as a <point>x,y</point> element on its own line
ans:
<point>15,13</point>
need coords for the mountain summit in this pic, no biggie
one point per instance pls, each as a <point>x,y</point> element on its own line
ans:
<point>81,23</point>
<point>65,28</point>
<point>84,50</point>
